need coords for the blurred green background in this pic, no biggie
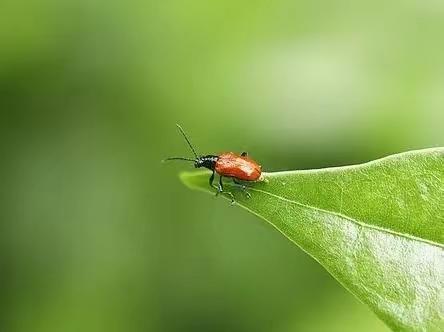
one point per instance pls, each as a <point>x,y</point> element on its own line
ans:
<point>97,235</point>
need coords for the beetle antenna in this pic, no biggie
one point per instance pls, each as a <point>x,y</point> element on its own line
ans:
<point>188,141</point>
<point>177,158</point>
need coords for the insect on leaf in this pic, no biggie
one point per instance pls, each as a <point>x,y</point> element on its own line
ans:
<point>378,228</point>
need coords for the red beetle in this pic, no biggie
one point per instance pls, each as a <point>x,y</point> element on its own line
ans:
<point>228,164</point>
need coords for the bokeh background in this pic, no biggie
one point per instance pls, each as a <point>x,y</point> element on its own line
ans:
<point>97,235</point>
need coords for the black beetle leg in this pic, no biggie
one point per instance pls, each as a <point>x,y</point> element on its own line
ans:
<point>212,180</point>
<point>243,187</point>
<point>244,154</point>
<point>221,190</point>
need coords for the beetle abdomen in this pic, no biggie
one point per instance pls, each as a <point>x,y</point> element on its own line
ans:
<point>240,167</point>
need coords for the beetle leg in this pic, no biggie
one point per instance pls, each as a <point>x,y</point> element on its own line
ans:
<point>238,182</point>
<point>211,181</point>
<point>221,185</point>
<point>243,187</point>
<point>244,154</point>
<point>220,189</point>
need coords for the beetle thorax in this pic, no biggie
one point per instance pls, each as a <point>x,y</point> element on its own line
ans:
<point>208,161</point>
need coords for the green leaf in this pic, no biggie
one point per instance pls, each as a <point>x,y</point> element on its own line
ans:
<point>378,228</point>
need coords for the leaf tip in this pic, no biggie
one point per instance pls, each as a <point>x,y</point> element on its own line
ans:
<point>185,178</point>
<point>194,180</point>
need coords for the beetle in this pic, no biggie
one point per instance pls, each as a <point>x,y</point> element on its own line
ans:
<point>227,164</point>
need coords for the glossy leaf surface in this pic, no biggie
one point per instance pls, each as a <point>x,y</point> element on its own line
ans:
<point>378,228</point>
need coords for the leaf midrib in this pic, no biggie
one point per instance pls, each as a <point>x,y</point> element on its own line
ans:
<point>358,222</point>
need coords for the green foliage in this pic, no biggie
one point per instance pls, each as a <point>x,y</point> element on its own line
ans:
<point>378,228</point>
